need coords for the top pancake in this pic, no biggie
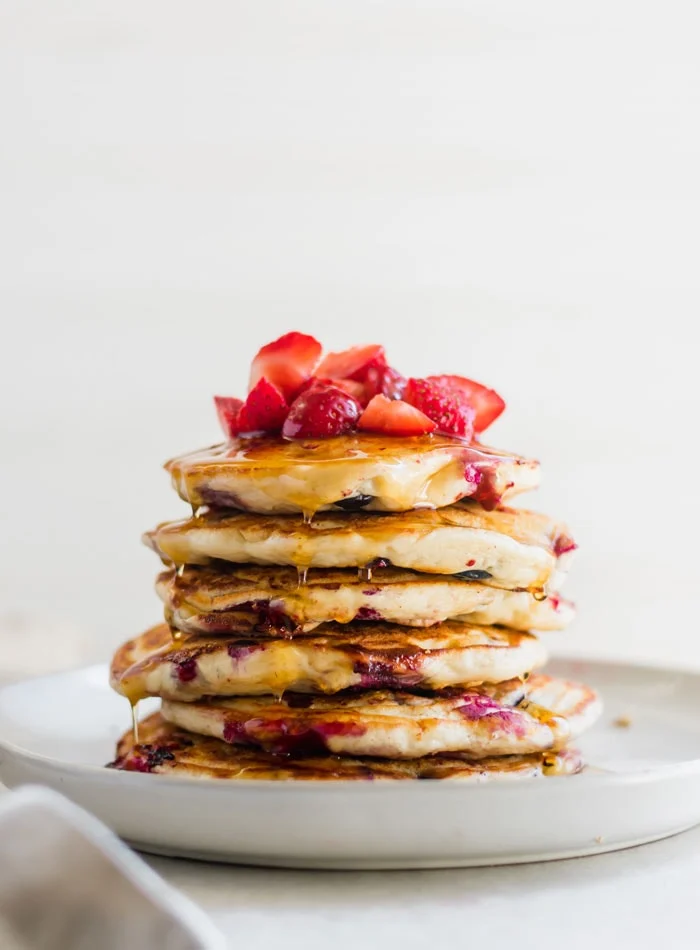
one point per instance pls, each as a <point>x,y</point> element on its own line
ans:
<point>510,548</point>
<point>272,476</point>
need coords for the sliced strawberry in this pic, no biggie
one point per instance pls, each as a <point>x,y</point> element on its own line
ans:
<point>357,390</point>
<point>448,408</point>
<point>352,363</point>
<point>347,385</point>
<point>286,363</point>
<point>487,404</point>
<point>321,411</point>
<point>264,410</point>
<point>228,410</point>
<point>384,381</point>
<point>394,417</point>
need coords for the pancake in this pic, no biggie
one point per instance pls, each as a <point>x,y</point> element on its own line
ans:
<point>166,750</point>
<point>273,476</point>
<point>512,718</point>
<point>226,599</point>
<point>509,547</point>
<point>334,657</point>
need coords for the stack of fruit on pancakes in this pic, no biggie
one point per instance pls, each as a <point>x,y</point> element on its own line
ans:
<point>352,597</point>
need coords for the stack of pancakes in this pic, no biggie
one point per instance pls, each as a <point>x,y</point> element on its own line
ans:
<point>354,607</point>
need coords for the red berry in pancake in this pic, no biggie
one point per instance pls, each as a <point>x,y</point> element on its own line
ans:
<point>286,363</point>
<point>394,417</point>
<point>321,411</point>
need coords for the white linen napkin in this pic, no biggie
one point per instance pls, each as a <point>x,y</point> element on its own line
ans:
<point>68,883</point>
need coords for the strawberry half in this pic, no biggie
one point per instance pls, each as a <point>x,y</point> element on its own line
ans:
<point>352,363</point>
<point>384,381</point>
<point>286,363</point>
<point>228,410</point>
<point>449,409</point>
<point>264,410</point>
<point>321,411</point>
<point>487,404</point>
<point>347,385</point>
<point>357,390</point>
<point>394,417</point>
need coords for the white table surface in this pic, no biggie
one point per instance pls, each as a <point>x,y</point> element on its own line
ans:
<point>642,897</point>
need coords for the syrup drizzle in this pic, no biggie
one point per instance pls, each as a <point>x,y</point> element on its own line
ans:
<point>539,593</point>
<point>302,573</point>
<point>558,724</point>
<point>364,574</point>
<point>134,723</point>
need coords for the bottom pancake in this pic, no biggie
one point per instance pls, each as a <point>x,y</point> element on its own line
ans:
<point>511,718</point>
<point>167,750</point>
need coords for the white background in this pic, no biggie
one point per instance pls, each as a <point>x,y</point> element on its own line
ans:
<point>504,190</point>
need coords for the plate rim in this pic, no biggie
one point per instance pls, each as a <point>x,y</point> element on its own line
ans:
<point>592,777</point>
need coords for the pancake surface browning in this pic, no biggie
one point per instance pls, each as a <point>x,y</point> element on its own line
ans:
<point>271,476</point>
<point>333,658</point>
<point>505,719</point>
<point>167,750</point>
<point>508,547</point>
<point>226,598</point>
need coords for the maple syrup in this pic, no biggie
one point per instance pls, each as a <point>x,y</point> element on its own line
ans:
<point>409,472</point>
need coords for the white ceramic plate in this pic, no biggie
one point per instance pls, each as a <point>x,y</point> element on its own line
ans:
<point>643,784</point>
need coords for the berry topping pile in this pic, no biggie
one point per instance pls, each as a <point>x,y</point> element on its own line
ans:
<point>296,391</point>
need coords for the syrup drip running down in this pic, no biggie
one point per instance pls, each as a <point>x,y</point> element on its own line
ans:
<point>539,593</point>
<point>134,723</point>
<point>302,573</point>
<point>364,574</point>
<point>558,724</point>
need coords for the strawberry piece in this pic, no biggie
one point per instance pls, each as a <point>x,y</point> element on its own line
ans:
<point>449,409</point>
<point>394,417</point>
<point>286,363</point>
<point>264,410</point>
<point>357,390</point>
<point>228,410</point>
<point>321,411</point>
<point>384,381</point>
<point>352,363</point>
<point>487,404</point>
<point>347,385</point>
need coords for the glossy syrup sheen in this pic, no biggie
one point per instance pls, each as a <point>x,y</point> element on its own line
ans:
<point>269,452</point>
<point>407,469</point>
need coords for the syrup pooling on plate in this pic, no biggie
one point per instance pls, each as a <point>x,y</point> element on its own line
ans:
<point>272,475</point>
